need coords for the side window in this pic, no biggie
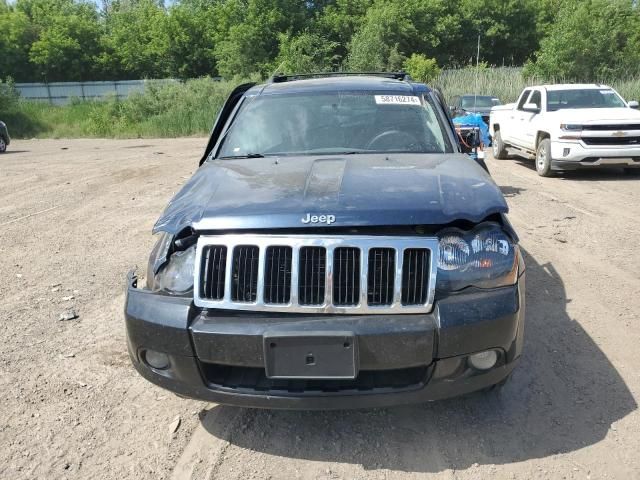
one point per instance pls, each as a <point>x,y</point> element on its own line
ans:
<point>536,98</point>
<point>523,98</point>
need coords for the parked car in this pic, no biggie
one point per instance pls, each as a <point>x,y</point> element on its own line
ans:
<point>335,249</point>
<point>5,140</point>
<point>568,127</point>
<point>480,104</point>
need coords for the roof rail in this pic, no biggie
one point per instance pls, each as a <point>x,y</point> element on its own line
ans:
<point>281,78</point>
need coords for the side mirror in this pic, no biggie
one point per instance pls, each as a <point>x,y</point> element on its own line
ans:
<point>633,104</point>
<point>531,107</point>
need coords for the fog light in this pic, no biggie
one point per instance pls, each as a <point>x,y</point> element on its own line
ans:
<point>566,152</point>
<point>157,360</point>
<point>483,360</point>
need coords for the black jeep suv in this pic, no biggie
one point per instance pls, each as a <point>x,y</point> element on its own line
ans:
<point>335,249</point>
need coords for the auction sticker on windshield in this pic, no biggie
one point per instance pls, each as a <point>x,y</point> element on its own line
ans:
<point>397,100</point>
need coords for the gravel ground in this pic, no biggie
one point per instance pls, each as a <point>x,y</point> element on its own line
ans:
<point>75,215</point>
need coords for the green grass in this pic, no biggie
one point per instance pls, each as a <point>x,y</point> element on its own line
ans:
<point>507,83</point>
<point>190,108</point>
<point>173,110</point>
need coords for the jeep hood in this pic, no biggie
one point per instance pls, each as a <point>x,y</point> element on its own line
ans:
<point>358,190</point>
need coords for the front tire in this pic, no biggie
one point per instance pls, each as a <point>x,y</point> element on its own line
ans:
<point>3,145</point>
<point>499,148</point>
<point>543,158</point>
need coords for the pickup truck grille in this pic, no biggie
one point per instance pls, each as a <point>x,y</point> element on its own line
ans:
<point>303,273</point>
<point>611,140</point>
<point>612,127</point>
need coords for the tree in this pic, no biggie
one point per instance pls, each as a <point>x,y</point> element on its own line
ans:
<point>421,68</point>
<point>591,40</point>
<point>305,53</point>
<point>135,44</point>
<point>393,30</point>
<point>247,37</point>
<point>507,30</point>
<point>191,39</point>
<point>337,22</point>
<point>68,44</point>
<point>15,41</point>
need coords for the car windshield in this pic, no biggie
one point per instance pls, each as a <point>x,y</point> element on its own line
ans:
<point>334,123</point>
<point>583,98</point>
<point>479,102</point>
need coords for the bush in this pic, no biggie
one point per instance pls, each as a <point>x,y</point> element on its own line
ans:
<point>164,109</point>
<point>421,68</point>
<point>8,96</point>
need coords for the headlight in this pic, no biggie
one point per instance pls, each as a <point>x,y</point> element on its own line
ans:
<point>170,272</point>
<point>570,127</point>
<point>484,257</point>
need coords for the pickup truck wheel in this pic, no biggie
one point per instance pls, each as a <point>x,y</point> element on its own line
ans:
<point>543,158</point>
<point>499,148</point>
<point>3,145</point>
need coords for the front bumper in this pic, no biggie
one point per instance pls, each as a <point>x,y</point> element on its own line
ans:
<point>218,355</point>
<point>577,155</point>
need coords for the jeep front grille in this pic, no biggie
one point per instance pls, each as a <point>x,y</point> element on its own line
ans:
<point>311,277</point>
<point>244,276</point>
<point>214,260</point>
<point>346,276</point>
<point>381,271</point>
<point>303,273</point>
<point>277,282</point>
<point>414,273</point>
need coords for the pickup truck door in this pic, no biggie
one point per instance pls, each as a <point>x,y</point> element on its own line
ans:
<point>529,121</point>
<point>509,122</point>
<point>518,116</point>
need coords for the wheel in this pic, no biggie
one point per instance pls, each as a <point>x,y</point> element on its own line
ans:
<point>543,158</point>
<point>3,145</point>
<point>499,148</point>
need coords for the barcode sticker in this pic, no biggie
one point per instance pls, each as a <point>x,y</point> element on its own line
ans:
<point>397,100</point>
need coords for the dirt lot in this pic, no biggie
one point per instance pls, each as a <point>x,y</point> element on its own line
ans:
<point>75,215</point>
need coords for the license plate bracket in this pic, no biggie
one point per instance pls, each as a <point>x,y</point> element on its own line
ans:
<point>311,355</point>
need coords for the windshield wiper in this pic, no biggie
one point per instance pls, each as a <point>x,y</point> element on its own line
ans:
<point>246,155</point>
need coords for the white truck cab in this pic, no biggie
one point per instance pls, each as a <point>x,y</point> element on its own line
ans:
<point>567,127</point>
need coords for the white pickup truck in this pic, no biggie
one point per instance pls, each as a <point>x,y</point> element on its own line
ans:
<point>566,127</point>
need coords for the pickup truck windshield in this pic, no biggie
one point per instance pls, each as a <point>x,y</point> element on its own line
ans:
<point>480,101</point>
<point>334,123</point>
<point>583,98</point>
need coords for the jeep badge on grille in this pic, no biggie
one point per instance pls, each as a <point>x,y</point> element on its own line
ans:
<point>328,219</point>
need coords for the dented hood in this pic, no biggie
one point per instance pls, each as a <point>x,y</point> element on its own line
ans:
<point>357,190</point>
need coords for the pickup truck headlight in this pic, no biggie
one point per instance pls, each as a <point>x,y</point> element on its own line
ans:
<point>570,127</point>
<point>484,257</point>
<point>168,271</point>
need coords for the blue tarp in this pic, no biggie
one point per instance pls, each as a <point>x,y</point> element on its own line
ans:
<point>474,120</point>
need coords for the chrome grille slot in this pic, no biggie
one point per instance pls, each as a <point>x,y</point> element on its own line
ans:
<point>346,276</point>
<point>414,276</point>
<point>214,261</point>
<point>244,276</point>
<point>381,272</point>
<point>277,275</point>
<point>311,277</point>
<point>350,274</point>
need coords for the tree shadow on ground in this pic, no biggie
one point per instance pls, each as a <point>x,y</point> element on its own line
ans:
<point>563,396</point>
